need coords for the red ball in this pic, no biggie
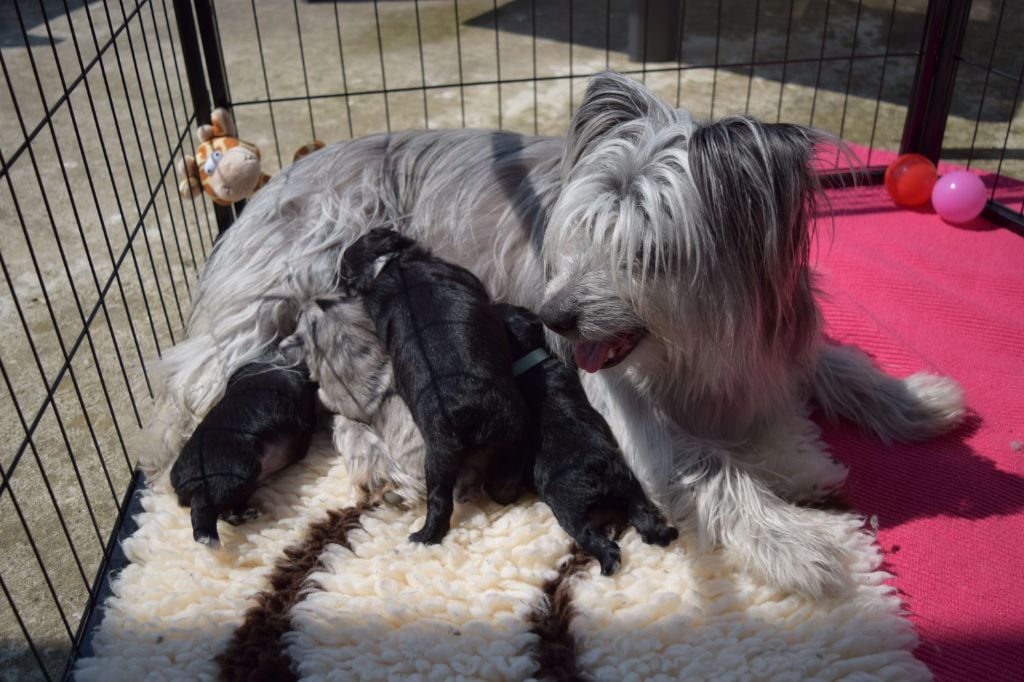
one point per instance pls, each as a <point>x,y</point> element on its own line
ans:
<point>910,179</point>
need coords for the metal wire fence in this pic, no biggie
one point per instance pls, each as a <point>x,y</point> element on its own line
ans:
<point>100,254</point>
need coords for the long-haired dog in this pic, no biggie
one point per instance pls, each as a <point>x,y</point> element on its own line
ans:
<point>452,366</point>
<point>672,256</point>
<point>575,465</point>
<point>373,430</point>
<point>263,423</point>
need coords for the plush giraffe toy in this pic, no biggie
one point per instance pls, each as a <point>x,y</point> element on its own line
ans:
<point>225,167</point>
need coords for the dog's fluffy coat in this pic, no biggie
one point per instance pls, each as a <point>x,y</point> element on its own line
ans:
<point>451,362</point>
<point>633,222</point>
<point>574,463</point>
<point>263,423</point>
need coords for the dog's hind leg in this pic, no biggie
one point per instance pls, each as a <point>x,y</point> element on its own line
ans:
<point>442,471</point>
<point>846,384</point>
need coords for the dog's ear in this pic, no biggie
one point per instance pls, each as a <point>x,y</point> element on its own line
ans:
<point>759,243</point>
<point>611,99</point>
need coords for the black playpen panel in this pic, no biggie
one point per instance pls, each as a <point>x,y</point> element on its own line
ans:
<point>100,254</point>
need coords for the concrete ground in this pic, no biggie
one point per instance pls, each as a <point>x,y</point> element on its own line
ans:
<point>95,237</point>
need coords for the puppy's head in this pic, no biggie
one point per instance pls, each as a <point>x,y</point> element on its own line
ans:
<point>525,330</point>
<point>679,238</point>
<point>304,344</point>
<point>367,256</point>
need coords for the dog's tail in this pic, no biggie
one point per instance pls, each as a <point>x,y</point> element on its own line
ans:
<point>846,384</point>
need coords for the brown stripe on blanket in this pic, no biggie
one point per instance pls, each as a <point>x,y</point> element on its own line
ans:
<point>255,652</point>
<point>555,651</point>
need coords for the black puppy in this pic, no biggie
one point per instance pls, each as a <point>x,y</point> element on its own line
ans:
<point>263,423</point>
<point>452,366</point>
<point>577,467</point>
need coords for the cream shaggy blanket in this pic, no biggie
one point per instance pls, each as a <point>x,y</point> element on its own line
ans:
<point>317,588</point>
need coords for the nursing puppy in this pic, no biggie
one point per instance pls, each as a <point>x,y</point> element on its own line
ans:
<point>373,430</point>
<point>263,423</point>
<point>693,312</point>
<point>575,465</point>
<point>452,365</point>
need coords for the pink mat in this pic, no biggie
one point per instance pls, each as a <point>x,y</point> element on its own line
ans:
<point>917,293</point>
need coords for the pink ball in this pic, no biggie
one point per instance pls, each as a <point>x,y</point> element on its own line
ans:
<point>959,196</point>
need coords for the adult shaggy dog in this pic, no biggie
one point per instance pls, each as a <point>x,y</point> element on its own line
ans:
<point>671,255</point>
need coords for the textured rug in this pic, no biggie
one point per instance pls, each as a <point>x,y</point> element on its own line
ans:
<point>320,588</point>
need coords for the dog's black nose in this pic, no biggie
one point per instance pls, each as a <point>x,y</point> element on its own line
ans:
<point>559,318</point>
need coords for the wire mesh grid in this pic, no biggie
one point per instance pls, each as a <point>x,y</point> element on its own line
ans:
<point>99,253</point>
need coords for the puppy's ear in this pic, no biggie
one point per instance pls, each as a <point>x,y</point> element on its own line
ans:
<point>611,100</point>
<point>293,348</point>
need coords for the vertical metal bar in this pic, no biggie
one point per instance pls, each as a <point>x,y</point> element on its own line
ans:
<point>497,62</point>
<point>344,76</point>
<point>753,56</point>
<point>383,70</point>
<point>215,70</point>
<point>423,67</point>
<point>932,92</point>
<point>305,72</point>
<point>984,85</point>
<point>216,74</point>
<point>195,72</point>
<point>881,81</point>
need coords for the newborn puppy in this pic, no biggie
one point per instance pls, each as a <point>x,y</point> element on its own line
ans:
<point>452,365</point>
<point>263,423</point>
<point>577,467</point>
<point>373,429</point>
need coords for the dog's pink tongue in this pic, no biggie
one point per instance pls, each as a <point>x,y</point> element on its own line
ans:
<point>590,356</point>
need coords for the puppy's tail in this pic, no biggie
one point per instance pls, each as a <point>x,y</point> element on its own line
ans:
<point>846,384</point>
<point>204,522</point>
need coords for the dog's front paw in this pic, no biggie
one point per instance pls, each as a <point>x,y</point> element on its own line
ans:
<point>805,559</point>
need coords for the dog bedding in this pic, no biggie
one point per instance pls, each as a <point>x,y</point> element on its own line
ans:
<point>321,588</point>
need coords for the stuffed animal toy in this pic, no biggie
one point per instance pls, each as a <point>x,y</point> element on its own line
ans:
<point>225,167</point>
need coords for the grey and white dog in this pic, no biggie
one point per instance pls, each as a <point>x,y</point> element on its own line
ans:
<point>671,256</point>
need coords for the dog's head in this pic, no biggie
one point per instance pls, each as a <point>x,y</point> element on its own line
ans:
<point>367,256</point>
<point>690,239</point>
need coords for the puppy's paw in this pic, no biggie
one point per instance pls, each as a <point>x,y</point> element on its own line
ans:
<point>504,492</point>
<point>205,538</point>
<point>662,536</point>
<point>236,517</point>
<point>425,536</point>
<point>610,560</point>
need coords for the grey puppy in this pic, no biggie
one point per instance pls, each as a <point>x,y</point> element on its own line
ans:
<point>373,429</point>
